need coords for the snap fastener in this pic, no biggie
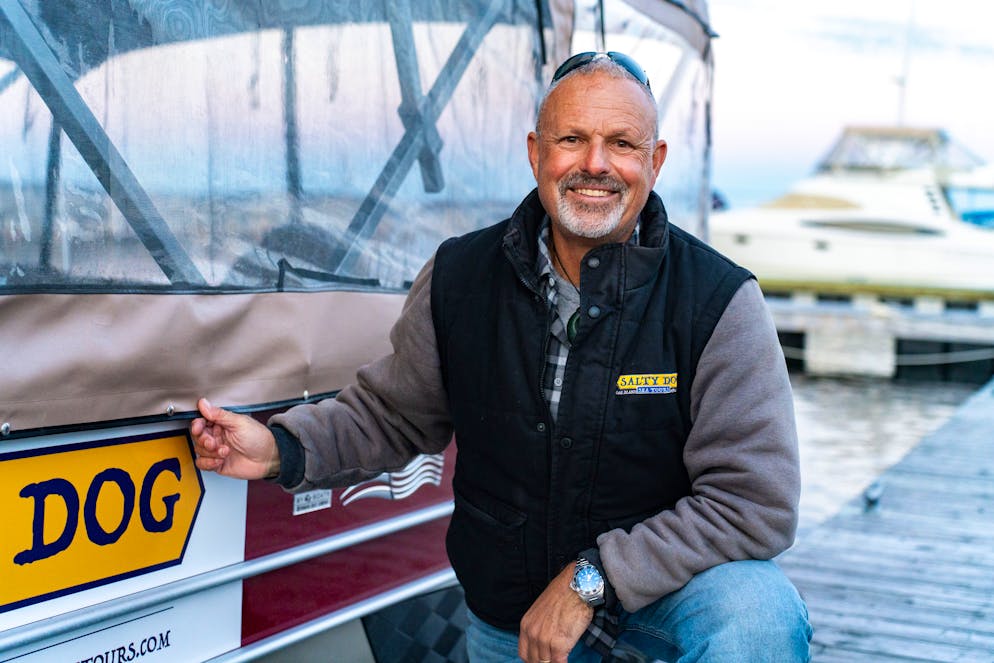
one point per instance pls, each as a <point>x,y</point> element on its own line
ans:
<point>594,262</point>
<point>594,311</point>
<point>566,442</point>
<point>540,427</point>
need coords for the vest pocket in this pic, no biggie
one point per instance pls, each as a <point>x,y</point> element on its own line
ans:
<point>486,547</point>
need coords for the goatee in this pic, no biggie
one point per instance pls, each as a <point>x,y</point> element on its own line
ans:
<point>590,220</point>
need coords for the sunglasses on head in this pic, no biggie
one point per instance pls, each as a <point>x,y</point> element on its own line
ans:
<point>574,62</point>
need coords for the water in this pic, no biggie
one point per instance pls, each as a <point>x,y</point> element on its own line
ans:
<point>852,429</point>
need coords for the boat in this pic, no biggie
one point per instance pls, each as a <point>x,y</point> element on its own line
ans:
<point>892,211</point>
<point>231,200</point>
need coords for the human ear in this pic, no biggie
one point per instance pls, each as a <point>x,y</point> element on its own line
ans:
<point>533,152</point>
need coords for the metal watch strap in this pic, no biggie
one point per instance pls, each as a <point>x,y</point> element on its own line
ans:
<point>592,599</point>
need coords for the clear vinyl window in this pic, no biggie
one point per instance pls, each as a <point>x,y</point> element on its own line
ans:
<point>337,152</point>
<point>183,146</point>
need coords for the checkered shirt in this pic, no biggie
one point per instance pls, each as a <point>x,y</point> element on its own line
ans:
<point>602,634</point>
<point>557,349</point>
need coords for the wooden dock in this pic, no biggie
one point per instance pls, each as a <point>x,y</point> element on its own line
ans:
<point>911,578</point>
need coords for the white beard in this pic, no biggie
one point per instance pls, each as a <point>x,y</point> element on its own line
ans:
<point>590,221</point>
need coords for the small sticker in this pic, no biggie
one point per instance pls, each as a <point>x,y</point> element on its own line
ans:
<point>312,500</point>
<point>647,383</point>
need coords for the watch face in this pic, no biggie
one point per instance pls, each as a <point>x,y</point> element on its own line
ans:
<point>588,581</point>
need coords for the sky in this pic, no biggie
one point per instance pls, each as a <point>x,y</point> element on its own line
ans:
<point>789,75</point>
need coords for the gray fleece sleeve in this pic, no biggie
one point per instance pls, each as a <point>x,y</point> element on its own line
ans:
<point>742,459</point>
<point>396,410</point>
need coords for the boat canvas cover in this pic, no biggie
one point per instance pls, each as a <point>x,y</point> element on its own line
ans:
<point>232,200</point>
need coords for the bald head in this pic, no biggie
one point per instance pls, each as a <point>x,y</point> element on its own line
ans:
<point>602,67</point>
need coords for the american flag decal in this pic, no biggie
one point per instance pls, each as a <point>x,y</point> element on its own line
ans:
<point>398,485</point>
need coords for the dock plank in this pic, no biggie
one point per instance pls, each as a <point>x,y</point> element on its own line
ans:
<point>863,604</point>
<point>943,554</point>
<point>911,578</point>
<point>895,625</point>
<point>839,654</point>
<point>889,648</point>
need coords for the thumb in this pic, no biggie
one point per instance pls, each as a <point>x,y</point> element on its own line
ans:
<point>213,414</point>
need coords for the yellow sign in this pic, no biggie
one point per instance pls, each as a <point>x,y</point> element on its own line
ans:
<point>647,383</point>
<point>83,515</point>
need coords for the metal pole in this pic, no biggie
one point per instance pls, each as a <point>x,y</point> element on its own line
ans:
<point>39,64</point>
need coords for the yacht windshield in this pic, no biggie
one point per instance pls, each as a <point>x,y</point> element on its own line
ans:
<point>973,205</point>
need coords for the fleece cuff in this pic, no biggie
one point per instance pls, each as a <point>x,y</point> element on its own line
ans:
<point>291,458</point>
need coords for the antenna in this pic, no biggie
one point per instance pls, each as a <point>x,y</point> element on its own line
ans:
<point>902,79</point>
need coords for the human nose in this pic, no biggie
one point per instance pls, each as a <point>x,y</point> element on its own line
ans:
<point>595,158</point>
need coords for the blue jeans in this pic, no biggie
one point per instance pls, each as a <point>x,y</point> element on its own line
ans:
<point>745,612</point>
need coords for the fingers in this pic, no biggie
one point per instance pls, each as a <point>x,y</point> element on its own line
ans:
<point>209,446</point>
<point>210,454</point>
<point>542,658</point>
<point>203,436</point>
<point>207,433</point>
<point>209,464</point>
<point>535,646</point>
<point>535,650</point>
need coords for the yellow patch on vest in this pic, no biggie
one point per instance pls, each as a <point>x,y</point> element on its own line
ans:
<point>647,383</point>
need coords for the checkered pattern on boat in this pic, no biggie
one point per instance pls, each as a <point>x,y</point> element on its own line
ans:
<point>425,629</point>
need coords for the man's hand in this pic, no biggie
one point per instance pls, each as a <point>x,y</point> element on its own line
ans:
<point>554,623</point>
<point>234,445</point>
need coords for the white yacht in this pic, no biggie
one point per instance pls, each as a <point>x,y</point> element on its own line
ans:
<point>894,211</point>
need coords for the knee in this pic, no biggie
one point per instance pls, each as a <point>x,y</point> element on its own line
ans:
<point>752,613</point>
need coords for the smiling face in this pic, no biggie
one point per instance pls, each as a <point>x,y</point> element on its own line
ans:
<point>595,156</point>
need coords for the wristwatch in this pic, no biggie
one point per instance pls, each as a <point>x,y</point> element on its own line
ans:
<point>588,583</point>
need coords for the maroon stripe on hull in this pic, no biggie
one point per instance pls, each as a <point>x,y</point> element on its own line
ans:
<point>288,597</point>
<point>279,600</point>
<point>271,526</point>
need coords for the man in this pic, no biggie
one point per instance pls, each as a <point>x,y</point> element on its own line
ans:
<point>627,452</point>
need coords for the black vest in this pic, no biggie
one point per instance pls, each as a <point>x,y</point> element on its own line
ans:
<point>529,495</point>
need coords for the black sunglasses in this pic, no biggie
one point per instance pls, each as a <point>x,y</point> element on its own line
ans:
<point>583,59</point>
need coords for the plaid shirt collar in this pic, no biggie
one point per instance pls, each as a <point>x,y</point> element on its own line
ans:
<point>543,264</point>
<point>549,288</point>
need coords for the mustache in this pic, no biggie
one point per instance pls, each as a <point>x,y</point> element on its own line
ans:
<point>580,180</point>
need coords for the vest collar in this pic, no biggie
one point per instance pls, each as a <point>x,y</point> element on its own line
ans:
<point>521,237</point>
